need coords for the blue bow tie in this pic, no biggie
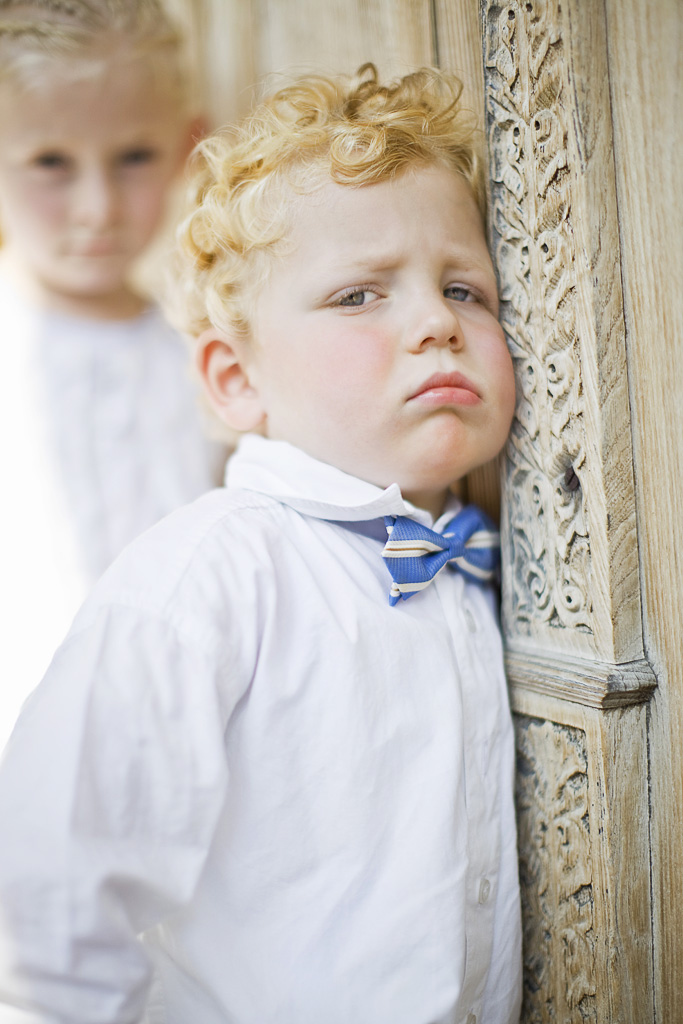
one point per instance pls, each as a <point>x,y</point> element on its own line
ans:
<point>415,554</point>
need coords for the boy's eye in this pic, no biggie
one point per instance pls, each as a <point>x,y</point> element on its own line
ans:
<point>356,298</point>
<point>458,293</point>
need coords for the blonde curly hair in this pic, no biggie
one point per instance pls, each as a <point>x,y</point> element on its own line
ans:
<point>352,129</point>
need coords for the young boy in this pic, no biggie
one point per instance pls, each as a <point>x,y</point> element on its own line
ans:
<point>101,433</point>
<point>268,777</point>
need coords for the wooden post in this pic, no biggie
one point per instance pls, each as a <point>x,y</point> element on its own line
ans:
<point>645,40</point>
<point>571,600</point>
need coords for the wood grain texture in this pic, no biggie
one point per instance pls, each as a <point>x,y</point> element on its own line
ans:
<point>618,782</point>
<point>228,70</point>
<point>458,48</point>
<point>340,35</point>
<point>582,801</point>
<point>646,88</point>
<point>247,45</point>
<point>586,681</point>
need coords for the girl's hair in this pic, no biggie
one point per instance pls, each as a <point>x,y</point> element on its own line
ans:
<point>243,188</point>
<point>75,37</point>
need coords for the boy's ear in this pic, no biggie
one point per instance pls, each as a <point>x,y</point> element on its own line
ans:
<point>220,361</point>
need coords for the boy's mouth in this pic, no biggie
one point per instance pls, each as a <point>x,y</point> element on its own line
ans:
<point>447,389</point>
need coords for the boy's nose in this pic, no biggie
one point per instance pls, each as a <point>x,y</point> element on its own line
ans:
<point>437,324</point>
<point>95,199</point>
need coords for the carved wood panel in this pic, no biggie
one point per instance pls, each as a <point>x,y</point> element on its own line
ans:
<point>571,597</point>
<point>569,508</point>
<point>555,872</point>
<point>535,254</point>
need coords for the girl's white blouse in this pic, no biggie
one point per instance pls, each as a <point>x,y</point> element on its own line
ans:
<point>100,436</point>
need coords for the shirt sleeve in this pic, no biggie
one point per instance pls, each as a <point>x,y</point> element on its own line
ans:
<point>110,791</point>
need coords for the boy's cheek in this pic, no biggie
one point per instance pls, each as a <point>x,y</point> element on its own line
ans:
<point>508,400</point>
<point>499,362</point>
<point>356,361</point>
<point>508,395</point>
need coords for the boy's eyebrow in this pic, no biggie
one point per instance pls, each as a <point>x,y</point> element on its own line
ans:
<point>460,259</point>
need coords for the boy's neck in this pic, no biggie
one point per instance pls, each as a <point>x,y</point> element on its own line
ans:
<point>431,502</point>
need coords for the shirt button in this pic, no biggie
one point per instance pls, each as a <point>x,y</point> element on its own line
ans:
<point>471,1018</point>
<point>470,620</point>
<point>484,890</point>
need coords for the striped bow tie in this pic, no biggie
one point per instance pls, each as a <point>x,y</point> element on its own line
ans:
<point>415,554</point>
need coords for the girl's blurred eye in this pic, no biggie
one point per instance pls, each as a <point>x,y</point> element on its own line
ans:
<point>459,293</point>
<point>51,161</point>
<point>138,157</point>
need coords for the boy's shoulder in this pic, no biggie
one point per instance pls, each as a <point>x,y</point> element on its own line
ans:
<point>195,563</point>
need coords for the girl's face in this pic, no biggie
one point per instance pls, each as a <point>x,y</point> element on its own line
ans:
<point>85,167</point>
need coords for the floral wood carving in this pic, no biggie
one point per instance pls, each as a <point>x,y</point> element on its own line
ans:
<point>546,538</point>
<point>555,872</point>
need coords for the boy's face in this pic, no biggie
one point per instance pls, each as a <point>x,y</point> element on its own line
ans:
<point>84,170</point>
<point>375,345</point>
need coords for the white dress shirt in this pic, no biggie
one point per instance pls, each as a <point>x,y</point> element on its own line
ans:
<point>298,796</point>
<point>100,437</point>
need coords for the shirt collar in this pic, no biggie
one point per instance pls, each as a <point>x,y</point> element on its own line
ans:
<point>289,475</point>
